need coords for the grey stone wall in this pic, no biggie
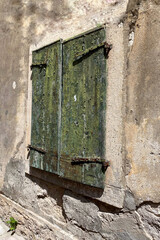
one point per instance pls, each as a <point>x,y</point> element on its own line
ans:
<point>46,206</point>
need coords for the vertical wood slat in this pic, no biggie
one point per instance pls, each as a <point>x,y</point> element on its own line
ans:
<point>60,67</point>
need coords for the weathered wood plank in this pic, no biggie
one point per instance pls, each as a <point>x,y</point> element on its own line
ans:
<point>45,106</point>
<point>84,104</point>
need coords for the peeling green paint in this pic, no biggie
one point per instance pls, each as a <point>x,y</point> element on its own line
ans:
<point>84,105</point>
<point>45,106</point>
<point>69,106</point>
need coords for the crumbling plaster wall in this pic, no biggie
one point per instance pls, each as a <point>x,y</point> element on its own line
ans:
<point>51,208</point>
<point>143,114</point>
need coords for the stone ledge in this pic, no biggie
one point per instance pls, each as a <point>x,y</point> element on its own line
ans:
<point>111,195</point>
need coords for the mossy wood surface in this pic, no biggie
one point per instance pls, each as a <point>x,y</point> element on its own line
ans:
<point>46,83</point>
<point>69,106</point>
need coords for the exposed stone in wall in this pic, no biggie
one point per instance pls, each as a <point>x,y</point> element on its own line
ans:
<point>80,233</point>
<point>30,225</point>
<point>121,227</point>
<point>42,198</point>
<point>129,201</point>
<point>81,212</point>
<point>86,220</point>
<point>150,217</point>
<point>109,224</point>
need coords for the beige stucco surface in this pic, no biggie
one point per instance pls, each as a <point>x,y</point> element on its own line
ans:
<point>143,113</point>
<point>131,197</point>
<point>30,25</point>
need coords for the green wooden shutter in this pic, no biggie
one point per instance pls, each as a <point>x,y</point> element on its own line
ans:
<point>83,107</point>
<point>46,99</point>
<point>68,108</point>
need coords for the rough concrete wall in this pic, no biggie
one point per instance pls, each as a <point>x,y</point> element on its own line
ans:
<point>143,114</point>
<point>26,23</point>
<point>128,208</point>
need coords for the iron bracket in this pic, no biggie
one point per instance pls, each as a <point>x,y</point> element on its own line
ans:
<point>79,161</point>
<point>40,150</point>
<point>39,65</point>
<point>107,46</point>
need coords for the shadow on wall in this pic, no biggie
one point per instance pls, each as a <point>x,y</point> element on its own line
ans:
<point>65,183</point>
<point>26,189</point>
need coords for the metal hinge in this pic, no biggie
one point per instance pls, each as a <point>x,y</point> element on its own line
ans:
<point>40,150</point>
<point>80,160</point>
<point>74,160</point>
<point>107,46</point>
<point>39,65</point>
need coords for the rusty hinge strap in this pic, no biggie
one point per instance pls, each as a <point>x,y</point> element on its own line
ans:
<point>105,165</point>
<point>84,162</point>
<point>40,150</point>
<point>84,159</point>
<point>89,50</point>
<point>108,47</point>
<point>78,161</point>
<point>39,65</point>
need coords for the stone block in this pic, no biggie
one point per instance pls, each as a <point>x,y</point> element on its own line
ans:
<point>122,226</point>
<point>150,216</point>
<point>81,212</point>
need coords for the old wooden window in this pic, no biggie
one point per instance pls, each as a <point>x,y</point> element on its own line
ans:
<point>68,108</point>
